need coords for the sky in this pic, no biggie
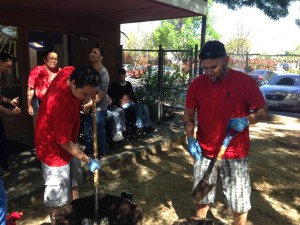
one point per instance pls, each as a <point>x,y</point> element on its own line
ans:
<point>266,35</point>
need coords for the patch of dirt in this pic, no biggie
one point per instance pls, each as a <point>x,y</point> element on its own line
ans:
<point>161,184</point>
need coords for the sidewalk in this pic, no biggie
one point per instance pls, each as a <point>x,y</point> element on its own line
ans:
<point>25,183</point>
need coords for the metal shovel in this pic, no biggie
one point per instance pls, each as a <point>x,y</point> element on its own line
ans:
<point>96,172</point>
<point>206,184</point>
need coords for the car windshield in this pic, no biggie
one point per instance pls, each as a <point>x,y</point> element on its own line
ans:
<point>285,80</point>
<point>258,72</point>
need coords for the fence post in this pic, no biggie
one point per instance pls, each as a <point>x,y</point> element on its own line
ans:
<point>121,56</point>
<point>247,62</point>
<point>160,85</point>
<point>196,62</point>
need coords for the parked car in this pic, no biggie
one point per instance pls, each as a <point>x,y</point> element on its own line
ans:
<point>268,74</point>
<point>283,92</point>
<point>260,80</point>
<point>168,70</point>
<point>128,67</point>
<point>239,69</point>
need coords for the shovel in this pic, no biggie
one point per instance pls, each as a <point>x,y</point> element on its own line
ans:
<point>96,172</point>
<point>206,184</point>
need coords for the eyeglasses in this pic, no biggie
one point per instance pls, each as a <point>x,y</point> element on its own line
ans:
<point>52,59</point>
<point>211,55</point>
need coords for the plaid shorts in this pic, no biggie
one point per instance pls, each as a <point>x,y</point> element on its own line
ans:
<point>234,174</point>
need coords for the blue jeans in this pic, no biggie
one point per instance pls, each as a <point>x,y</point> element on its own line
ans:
<point>101,117</point>
<point>141,113</point>
<point>3,144</point>
<point>116,117</point>
<point>142,116</point>
<point>3,204</point>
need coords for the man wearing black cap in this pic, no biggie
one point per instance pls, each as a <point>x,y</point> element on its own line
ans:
<point>221,97</point>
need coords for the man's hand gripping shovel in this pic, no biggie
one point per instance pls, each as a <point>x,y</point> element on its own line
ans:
<point>206,184</point>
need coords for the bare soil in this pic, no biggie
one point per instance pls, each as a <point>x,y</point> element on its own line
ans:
<point>161,184</point>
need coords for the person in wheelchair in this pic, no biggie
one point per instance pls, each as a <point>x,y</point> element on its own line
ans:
<point>136,114</point>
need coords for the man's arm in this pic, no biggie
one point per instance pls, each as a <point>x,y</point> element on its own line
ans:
<point>100,96</point>
<point>75,151</point>
<point>189,122</point>
<point>88,105</point>
<point>30,93</point>
<point>258,115</point>
<point>189,125</point>
<point>14,102</point>
<point>132,93</point>
<point>5,111</point>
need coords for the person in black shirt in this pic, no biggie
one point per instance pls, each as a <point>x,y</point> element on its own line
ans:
<point>136,114</point>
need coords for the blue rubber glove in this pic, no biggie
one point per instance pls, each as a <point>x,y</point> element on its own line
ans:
<point>194,148</point>
<point>239,124</point>
<point>93,165</point>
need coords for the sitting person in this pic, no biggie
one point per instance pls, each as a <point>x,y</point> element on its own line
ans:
<point>136,114</point>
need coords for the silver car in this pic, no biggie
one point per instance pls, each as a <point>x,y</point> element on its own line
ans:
<point>283,92</point>
<point>267,74</point>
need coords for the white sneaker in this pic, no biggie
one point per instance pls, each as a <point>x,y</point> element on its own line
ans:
<point>118,136</point>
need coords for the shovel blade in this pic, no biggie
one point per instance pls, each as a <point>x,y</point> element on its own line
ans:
<point>206,185</point>
<point>201,190</point>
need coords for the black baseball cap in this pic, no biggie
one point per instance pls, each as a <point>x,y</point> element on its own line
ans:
<point>212,50</point>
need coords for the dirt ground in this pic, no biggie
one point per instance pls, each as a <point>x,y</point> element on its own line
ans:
<point>161,184</point>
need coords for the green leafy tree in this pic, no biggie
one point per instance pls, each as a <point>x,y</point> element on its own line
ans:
<point>298,49</point>
<point>8,30</point>
<point>239,44</point>
<point>183,33</point>
<point>297,21</point>
<point>275,9</point>
<point>142,40</point>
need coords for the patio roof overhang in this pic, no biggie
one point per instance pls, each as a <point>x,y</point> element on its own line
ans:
<point>113,11</point>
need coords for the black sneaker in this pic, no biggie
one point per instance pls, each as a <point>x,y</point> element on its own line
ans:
<point>140,131</point>
<point>3,173</point>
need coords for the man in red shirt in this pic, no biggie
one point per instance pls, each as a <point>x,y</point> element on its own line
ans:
<point>56,131</point>
<point>39,80</point>
<point>218,96</point>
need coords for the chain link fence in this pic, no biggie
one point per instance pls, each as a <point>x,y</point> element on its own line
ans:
<point>276,75</point>
<point>161,77</point>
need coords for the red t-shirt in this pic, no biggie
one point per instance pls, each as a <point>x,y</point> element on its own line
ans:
<point>58,121</point>
<point>216,104</point>
<point>40,79</point>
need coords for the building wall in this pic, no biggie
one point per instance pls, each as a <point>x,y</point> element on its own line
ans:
<point>106,35</point>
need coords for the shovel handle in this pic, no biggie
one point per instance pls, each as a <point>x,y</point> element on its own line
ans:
<point>96,172</point>
<point>228,136</point>
<point>221,152</point>
<point>95,144</point>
